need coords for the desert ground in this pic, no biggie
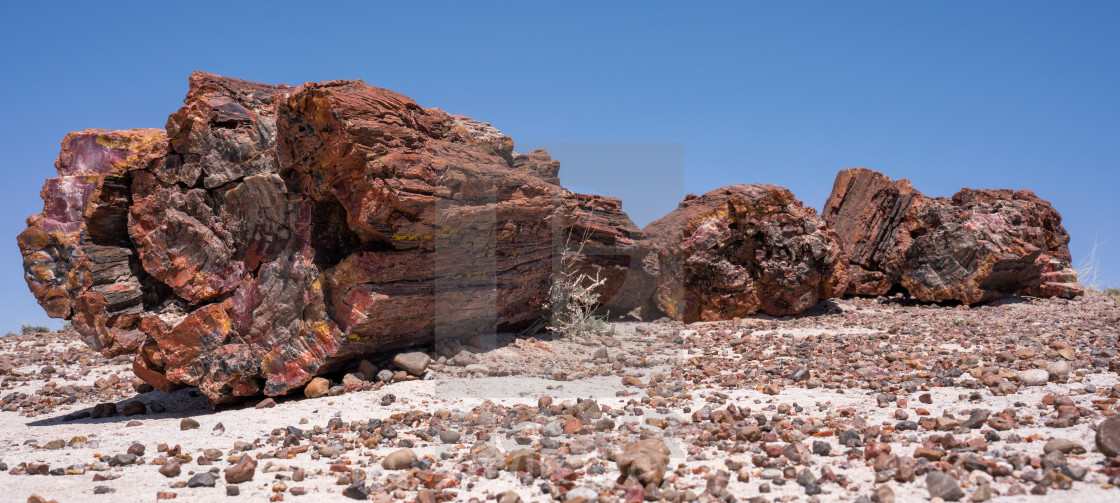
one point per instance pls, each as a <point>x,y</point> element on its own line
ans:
<point>856,400</point>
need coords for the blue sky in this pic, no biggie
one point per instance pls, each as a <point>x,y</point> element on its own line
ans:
<point>988,94</point>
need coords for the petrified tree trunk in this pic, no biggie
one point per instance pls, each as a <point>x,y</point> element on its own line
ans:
<point>740,250</point>
<point>976,246</point>
<point>273,233</point>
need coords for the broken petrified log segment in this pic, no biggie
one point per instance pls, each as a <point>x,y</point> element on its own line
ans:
<point>273,233</point>
<point>78,259</point>
<point>977,246</point>
<point>740,250</point>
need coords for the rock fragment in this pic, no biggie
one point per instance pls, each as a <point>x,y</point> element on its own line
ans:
<point>399,460</point>
<point>316,388</point>
<point>415,363</point>
<point>1108,436</point>
<point>977,246</point>
<point>943,486</point>
<point>741,250</point>
<point>1034,377</point>
<point>644,461</point>
<point>204,479</point>
<point>170,469</point>
<point>242,471</point>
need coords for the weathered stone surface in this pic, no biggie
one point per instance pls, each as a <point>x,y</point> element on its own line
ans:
<point>76,253</point>
<point>414,363</point>
<point>977,246</point>
<point>274,233</point>
<point>398,460</point>
<point>943,486</point>
<point>242,471</point>
<point>645,461</point>
<point>740,250</point>
<point>1108,436</point>
<point>316,388</point>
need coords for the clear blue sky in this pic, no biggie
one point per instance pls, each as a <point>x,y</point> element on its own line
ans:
<point>993,94</point>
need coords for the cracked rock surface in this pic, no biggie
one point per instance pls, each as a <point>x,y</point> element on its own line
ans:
<point>976,246</point>
<point>273,233</point>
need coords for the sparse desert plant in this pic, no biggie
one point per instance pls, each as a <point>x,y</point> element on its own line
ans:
<point>572,299</point>
<point>32,329</point>
<point>1113,292</point>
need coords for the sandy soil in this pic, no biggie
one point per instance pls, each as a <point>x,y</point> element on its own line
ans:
<point>653,380</point>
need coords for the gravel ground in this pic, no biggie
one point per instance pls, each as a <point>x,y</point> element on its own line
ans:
<point>879,399</point>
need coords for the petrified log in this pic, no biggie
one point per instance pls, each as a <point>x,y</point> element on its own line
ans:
<point>977,246</point>
<point>740,250</point>
<point>274,233</point>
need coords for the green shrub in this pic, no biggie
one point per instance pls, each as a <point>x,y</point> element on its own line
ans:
<point>32,329</point>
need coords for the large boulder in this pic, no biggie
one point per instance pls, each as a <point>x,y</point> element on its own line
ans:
<point>274,233</point>
<point>977,246</point>
<point>741,250</point>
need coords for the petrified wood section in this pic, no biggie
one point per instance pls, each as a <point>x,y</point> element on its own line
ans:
<point>740,250</point>
<point>865,210</point>
<point>77,256</point>
<point>978,245</point>
<point>275,232</point>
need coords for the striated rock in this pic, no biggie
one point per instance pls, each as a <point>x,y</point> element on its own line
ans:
<point>740,250</point>
<point>77,256</point>
<point>866,209</point>
<point>977,246</point>
<point>274,233</point>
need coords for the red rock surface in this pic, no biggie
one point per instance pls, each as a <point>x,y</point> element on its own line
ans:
<point>740,250</point>
<point>274,233</point>
<point>977,246</point>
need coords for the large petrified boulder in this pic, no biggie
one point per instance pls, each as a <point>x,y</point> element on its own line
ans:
<point>740,250</point>
<point>977,246</point>
<point>273,233</point>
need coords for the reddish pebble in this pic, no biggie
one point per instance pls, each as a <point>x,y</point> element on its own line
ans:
<point>873,449</point>
<point>636,494</point>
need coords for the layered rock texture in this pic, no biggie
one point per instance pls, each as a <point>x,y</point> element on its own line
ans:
<point>275,233</point>
<point>272,233</point>
<point>741,250</point>
<point>976,246</point>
